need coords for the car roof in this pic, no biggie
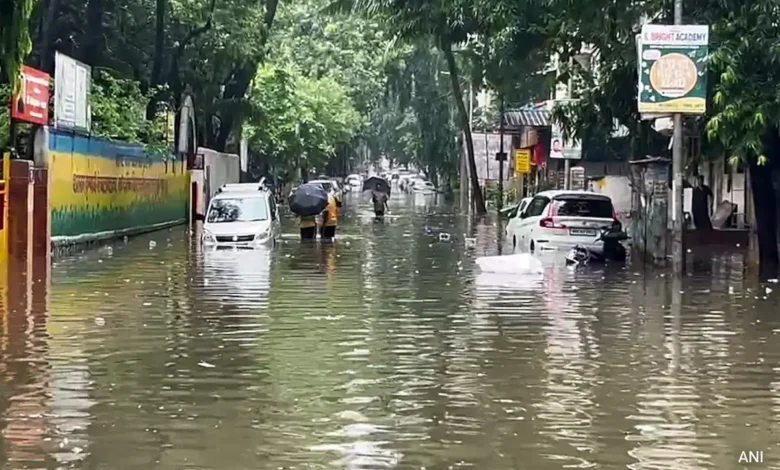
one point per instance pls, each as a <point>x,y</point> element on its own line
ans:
<point>551,194</point>
<point>320,181</point>
<point>241,187</point>
<point>241,194</point>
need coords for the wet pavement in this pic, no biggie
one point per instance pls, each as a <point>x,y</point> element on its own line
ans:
<point>383,350</point>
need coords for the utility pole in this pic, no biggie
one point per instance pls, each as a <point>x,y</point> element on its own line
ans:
<point>678,218</point>
<point>569,96</point>
<point>501,158</point>
<point>465,181</point>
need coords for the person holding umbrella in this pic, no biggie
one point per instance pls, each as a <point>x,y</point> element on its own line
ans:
<point>307,201</point>
<point>308,226</point>
<point>330,219</point>
<point>380,203</point>
<point>380,193</point>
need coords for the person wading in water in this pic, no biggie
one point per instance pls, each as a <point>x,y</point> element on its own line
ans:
<point>330,219</point>
<point>380,203</point>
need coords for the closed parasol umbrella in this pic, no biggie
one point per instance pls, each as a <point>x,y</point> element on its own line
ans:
<point>308,200</point>
<point>377,184</point>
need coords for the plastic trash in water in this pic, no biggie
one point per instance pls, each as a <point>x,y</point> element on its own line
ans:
<point>444,237</point>
<point>522,263</point>
<point>470,242</point>
<point>433,230</point>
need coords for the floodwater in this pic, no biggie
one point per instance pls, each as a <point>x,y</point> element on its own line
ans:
<point>384,350</point>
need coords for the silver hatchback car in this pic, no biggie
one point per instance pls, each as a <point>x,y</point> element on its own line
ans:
<point>242,215</point>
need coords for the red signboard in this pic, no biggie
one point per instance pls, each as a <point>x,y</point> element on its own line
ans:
<point>31,103</point>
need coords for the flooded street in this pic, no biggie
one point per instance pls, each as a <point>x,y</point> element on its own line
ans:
<point>384,350</point>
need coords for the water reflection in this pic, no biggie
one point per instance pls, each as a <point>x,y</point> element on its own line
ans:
<point>384,349</point>
<point>236,276</point>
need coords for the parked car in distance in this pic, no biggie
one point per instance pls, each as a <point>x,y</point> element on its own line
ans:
<point>242,215</point>
<point>354,182</point>
<point>561,220</point>
<point>424,187</point>
<point>329,186</point>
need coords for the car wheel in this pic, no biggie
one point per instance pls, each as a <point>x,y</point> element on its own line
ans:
<point>533,247</point>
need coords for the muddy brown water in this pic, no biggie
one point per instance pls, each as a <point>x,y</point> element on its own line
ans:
<point>385,350</point>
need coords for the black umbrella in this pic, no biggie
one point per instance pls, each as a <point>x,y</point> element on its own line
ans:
<point>377,184</point>
<point>308,200</point>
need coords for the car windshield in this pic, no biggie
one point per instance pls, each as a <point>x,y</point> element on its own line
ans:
<point>327,186</point>
<point>251,209</point>
<point>586,207</point>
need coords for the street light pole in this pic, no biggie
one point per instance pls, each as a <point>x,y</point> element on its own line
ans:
<point>501,157</point>
<point>678,217</point>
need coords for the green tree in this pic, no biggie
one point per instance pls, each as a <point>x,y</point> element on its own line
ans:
<point>208,48</point>
<point>744,115</point>
<point>15,42</point>
<point>118,107</point>
<point>425,133</point>
<point>298,121</point>
<point>445,23</point>
<point>745,118</point>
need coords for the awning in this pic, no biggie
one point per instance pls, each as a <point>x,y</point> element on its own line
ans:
<point>527,117</point>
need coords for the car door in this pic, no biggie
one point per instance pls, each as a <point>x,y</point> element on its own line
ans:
<point>530,221</point>
<point>273,209</point>
<point>516,217</point>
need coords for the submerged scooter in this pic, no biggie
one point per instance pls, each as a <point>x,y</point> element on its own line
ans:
<point>613,249</point>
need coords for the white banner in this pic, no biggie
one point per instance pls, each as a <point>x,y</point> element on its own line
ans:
<point>559,147</point>
<point>72,81</point>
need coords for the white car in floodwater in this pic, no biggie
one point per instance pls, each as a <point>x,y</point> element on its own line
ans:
<point>562,220</point>
<point>242,215</point>
<point>353,183</point>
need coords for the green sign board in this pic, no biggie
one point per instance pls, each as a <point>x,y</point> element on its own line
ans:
<point>672,72</point>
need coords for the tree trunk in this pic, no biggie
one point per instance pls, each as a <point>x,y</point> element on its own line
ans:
<point>243,78</point>
<point>94,31</point>
<point>764,201</point>
<point>157,67</point>
<point>479,200</point>
<point>44,47</point>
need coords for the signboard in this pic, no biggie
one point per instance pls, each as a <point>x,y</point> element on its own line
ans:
<point>72,81</point>
<point>561,148</point>
<point>522,161</point>
<point>31,102</point>
<point>577,178</point>
<point>673,72</point>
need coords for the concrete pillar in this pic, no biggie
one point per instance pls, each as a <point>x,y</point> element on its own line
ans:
<point>649,231</point>
<point>41,229</point>
<point>20,205</point>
